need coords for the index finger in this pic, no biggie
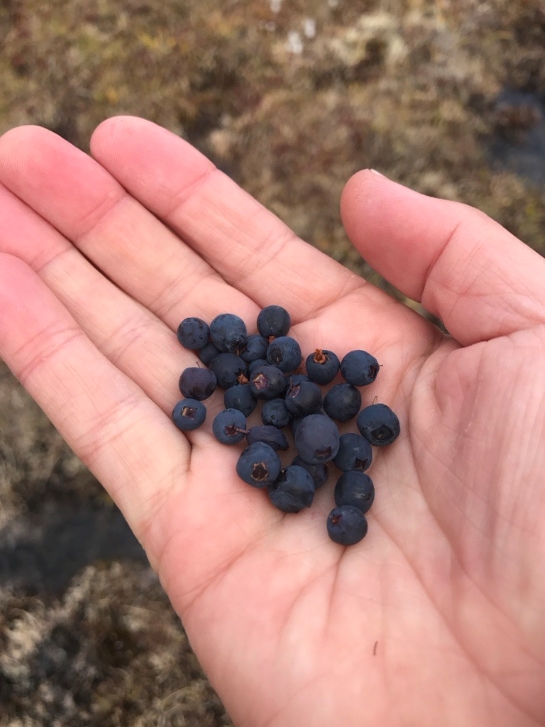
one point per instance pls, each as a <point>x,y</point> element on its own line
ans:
<point>248,245</point>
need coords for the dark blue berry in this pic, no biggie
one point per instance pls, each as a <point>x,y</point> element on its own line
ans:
<point>273,321</point>
<point>359,368</point>
<point>378,424</point>
<point>342,402</point>
<point>292,490</point>
<point>193,333</point>
<point>356,489</point>
<point>229,426</point>
<point>317,439</point>
<point>303,399</point>
<point>346,525</point>
<point>318,472</point>
<point>259,465</point>
<point>285,353</point>
<point>269,435</point>
<point>228,332</point>
<point>267,382</point>
<point>240,397</point>
<point>197,383</point>
<point>189,414</point>
<point>275,413</point>
<point>322,366</point>
<point>354,453</point>
<point>255,348</point>
<point>208,353</point>
<point>230,370</point>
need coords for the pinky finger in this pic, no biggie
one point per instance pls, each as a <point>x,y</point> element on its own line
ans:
<point>124,438</point>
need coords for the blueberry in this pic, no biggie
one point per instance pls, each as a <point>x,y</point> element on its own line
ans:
<point>318,472</point>
<point>275,413</point>
<point>207,353</point>
<point>292,490</point>
<point>229,426</point>
<point>267,382</point>
<point>259,465</point>
<point>228,332</point>
<point>342,402</point>
<point>322,366</point>
<point>359,368</point>
<point>269,435</point>
<point>255,348</point>
<point>189,414</point>
<point>304,399</point>
<point>354,453</point>
<point>197,383</point>
<point>317,439</point>
<point>356,489</point>
<point>240,397</point>
<point>230,370</point>
<point>273,321</point>
<point>346,525</point>
<point>378,424</point>
<point>193,333</point>
<point>285,353</point>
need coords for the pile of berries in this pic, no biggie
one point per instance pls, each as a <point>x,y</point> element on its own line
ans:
<point>262,367</point>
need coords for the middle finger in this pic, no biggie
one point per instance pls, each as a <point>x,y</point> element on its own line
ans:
<point>123,239</point>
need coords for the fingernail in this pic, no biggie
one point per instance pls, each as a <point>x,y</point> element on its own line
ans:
<point>377,173</point>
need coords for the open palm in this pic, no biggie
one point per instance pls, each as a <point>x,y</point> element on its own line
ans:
<point>436,618</point>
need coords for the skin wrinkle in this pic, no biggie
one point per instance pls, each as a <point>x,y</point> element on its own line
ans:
<point>61,337</point>
<point>95,217</point>
<point>187,193</point>
<point>452,631</point>
<point>457,554</point>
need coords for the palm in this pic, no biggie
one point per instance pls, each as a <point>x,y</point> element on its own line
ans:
<point>291,628</point>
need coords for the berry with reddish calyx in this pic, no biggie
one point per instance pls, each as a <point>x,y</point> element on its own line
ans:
<point>322,366</point>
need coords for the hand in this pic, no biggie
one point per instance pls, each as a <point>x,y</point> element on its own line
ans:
<point>436,618</point>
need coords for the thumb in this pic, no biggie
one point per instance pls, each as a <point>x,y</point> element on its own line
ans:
<point>466,269</point>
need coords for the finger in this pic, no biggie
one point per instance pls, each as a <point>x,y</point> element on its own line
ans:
<point>121,435</point>
<point>248,245</point>
<point>480,280</point>
<point>131,337</point>
<point>127,242</point>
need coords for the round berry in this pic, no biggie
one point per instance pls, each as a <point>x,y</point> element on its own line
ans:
<point>354,453</point>
<point>197,383</point>
<point>193,333</point>
<point>356,489</point>
<point>359,368</point>
<point>189,414</point>
<point>228,332</point>
<point>346,525</point>
<point>322,366</point>
<point>378,424</point>
<point>259,465</point>
<point>273,321</point>
<point>342,402</point>
<point>229,426</point>
<point>317,439</point>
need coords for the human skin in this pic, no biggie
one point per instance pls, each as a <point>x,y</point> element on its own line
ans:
<point>436,617</point>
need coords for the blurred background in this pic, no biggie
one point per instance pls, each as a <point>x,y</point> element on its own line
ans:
<point>289,98</point>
